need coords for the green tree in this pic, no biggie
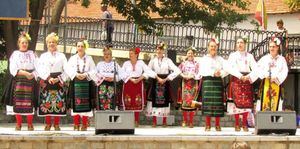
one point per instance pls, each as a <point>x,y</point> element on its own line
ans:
<point>11,28</point>
<point>294,5</point>
<point>212,13</point>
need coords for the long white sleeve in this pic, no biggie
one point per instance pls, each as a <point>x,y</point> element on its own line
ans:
<point>91,68</point>
<point>283,70</point>
<point>253,65</point>
<point>175,70</point>
<point>64,75</point>
<point>13,65</point>
<point>147,71</point>
<point>72,67</point>
<point>231,66</point>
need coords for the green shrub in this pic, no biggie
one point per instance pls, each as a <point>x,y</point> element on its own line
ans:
<point>3,70</point>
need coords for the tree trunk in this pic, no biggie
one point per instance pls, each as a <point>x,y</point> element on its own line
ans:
<point>36,11</point>
<point>10,29</point>
<point>55,17</point>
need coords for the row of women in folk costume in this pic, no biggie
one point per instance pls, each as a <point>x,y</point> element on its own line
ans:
<point>54,70</point>
<point>244,71</point>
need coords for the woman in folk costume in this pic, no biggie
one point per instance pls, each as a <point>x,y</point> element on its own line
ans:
<point>133,89</point>
<point>105,72</point>
<point>189,87</point>
<point>272,68</point>
<point>52,67</point>
<point>212,90</point>
<point>241,65</point>
<point>160,93</point>
<point>81,90</point>
<point>23,91</point>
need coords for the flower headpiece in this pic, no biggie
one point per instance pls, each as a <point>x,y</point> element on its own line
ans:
<point>191,48</point>
<point>162,45</point>
<point>215,41</point>
<point>276,40</point>
<point>245,38</point>
<point>55,36</point>
<point>26,35</point>
<point>137,50</point>
<point>86,44</point>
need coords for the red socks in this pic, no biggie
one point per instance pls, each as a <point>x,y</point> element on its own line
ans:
<point>184,113</point>
<point>245,116</point>
<point>56,120</point>
<point>154,120</point>
<point>164,120</point>
<point>191,117</point>
<point>236,117</point>
<point>84,120</point>
<point>19,119</point>
<point>76,120</point>
<point>29,120</point>
<point>244,120</point>
<point>217,121</point>
<point>137,117</point>
<point>208,118</point>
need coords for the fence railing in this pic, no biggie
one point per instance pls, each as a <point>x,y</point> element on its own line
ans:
<point>292,53</point>
<point>178,37</point>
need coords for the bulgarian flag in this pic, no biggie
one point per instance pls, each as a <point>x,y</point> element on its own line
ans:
<point>261,14</point>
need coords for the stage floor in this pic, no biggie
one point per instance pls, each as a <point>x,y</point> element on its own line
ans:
<point>9,129</point>
<point>145,137</point>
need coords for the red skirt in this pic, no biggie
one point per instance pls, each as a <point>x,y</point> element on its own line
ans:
<point>133,96</point>
<point>241,93</point>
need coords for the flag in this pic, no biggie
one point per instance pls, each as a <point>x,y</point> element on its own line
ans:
<point>261,14</point>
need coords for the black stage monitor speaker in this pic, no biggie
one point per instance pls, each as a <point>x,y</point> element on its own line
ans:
<point>114,122</point>
<point>281,122</point>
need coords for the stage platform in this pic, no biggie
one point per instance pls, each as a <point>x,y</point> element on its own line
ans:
<point>145,137</point>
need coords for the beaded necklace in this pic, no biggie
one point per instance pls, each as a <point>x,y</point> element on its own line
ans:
<point>83,68</point>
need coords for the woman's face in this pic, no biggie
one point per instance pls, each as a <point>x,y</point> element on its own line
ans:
<point>132,55</point>
<point>240,44</point>
<point>107,56</point>
<point>52,45</point>
<point>190,55</point>
<point>80,47</point>
<point>273,48</point>
<point>23,44</point>
<point>212,48</point>
<point>160,52</point>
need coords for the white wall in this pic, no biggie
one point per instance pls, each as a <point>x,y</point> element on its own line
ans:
<point>291,22</point>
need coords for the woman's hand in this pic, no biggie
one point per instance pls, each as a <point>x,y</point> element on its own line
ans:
<point>109,79</point>
<point>29,76</point>
<point>217,73</point>
<point>80,76</point>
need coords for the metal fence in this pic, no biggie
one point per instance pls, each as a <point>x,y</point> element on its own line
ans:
<point>178,37</point>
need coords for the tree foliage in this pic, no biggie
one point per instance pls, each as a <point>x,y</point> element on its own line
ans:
<point>294,5</point>
<point>212,13</point>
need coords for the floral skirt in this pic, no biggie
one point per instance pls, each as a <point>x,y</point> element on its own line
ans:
<point>189,93</point>
<point>270,95</point>
<point>133,96</point>
<point>106,96</point>
<point>52,99</point>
